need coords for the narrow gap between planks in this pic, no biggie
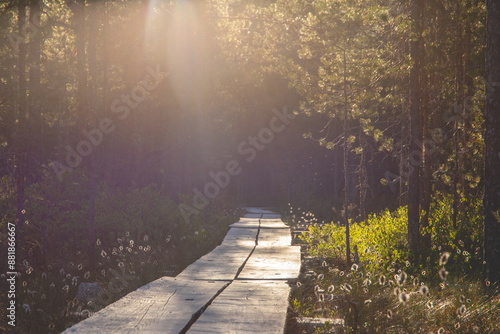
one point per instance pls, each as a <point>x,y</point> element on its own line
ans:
<point>198,314</point>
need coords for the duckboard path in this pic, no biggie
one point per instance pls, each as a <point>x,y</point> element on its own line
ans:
<point>242,286</point>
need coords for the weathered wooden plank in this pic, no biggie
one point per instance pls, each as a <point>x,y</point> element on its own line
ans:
<point>163,306</point>
<point>272,263</point>
<point>257,210</point>
<point>252,215</point>
<point>240,237</point>
<point>246,307</point>
<point>272,223</point>
<point>220,264</point>
<point>255,223</point>
<point>271,216</point>
<point>254,303</point>
<point>274,237</point>
<point>246,223</point>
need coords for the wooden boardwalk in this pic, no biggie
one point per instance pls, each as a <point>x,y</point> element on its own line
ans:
<point>239,287</point>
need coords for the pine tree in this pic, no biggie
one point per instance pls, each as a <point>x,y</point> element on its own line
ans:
<point>492,142</point>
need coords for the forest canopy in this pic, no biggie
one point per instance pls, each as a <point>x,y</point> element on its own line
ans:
<point>151,116</point>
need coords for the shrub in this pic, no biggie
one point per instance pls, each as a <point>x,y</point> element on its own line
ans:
<point>380,240</point>
<point>140,233</point>
<point>383,292</point>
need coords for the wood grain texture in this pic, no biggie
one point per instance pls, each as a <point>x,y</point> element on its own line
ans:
<point>272,263</point>
<point>252,215</point>
<point>220,264</point>
<point>162,306</point>
<point>246,223</point>
<point>272,223</point>
<point>271,216</point>
<point>275,237</point>
<point>245,237</point>
<point>246,307</point>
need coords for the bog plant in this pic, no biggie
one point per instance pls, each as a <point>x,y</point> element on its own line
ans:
<point>140,236</point>
<point>380,240</point>
<point>383,292</point>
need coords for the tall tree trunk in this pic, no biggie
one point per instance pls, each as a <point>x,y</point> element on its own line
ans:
<point>415,128</point>
<point>78,9</point>
<point>492,144</point>
<point>427,168</point>
<point>83,114</point>
<point>403,194</point>
<point>19,159</point>
<point>34,58</point>
<point>459,87</point>
<point>93,25</point>
<point>91,213</point>
<point>363,182</point>
<point>346,177</point>
<point>337,174</point>
<point>468,94</point>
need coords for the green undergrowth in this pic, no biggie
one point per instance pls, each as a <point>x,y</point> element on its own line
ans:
<point>140,235</point>
<point>384,292</point>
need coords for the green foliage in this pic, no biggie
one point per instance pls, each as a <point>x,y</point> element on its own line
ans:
<point>383,292</point>
<point>380,240</point>
<point>463,241</point>
<point>468,232</point>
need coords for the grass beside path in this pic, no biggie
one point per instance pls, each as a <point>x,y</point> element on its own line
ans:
<point>385,296</point>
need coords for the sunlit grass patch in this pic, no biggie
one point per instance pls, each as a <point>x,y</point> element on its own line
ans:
<point>385,293</point>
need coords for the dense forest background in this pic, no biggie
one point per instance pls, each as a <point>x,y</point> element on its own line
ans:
<point>148,117</point>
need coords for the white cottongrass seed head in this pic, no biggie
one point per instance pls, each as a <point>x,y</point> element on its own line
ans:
<point>444,258</point>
